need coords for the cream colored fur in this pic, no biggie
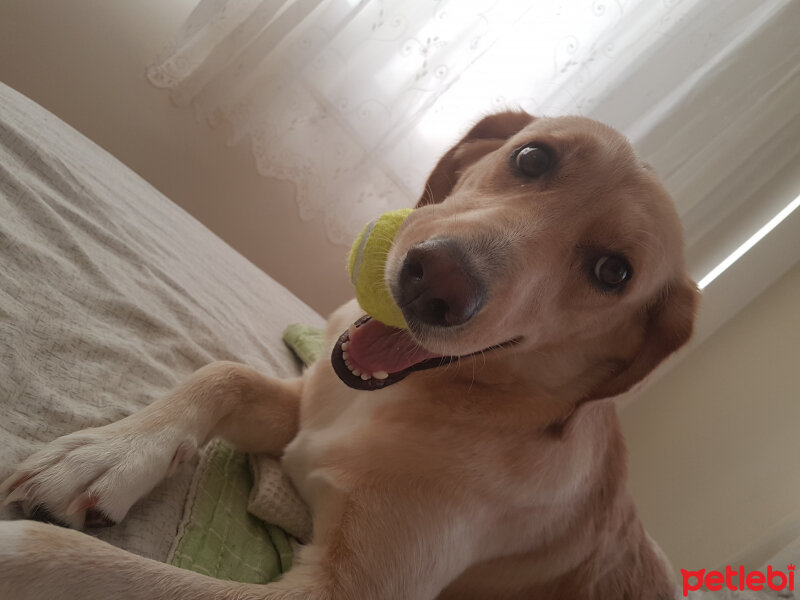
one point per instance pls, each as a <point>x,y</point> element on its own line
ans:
<point>501,476</point>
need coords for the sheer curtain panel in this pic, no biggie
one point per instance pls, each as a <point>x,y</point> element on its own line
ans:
<point>354,100</point>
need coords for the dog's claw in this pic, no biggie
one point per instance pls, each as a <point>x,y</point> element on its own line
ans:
<point>81,503</point>
<point>13,482</point>
<point>17,494</point>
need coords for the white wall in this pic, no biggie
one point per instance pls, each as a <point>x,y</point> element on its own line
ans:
<point>84,60</point>
<point>714,446</point>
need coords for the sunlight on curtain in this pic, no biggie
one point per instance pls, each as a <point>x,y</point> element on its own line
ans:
<point>354,101</point>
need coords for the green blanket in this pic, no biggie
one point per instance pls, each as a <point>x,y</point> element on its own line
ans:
<point>217,536</point>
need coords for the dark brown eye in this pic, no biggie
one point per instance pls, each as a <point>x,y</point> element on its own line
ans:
<point>533,160</point>
<point>612,272</point>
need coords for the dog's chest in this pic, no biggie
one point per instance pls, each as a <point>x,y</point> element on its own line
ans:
<point>333,417</point>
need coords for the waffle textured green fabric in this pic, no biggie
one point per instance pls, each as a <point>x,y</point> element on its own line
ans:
<point>217,536</point>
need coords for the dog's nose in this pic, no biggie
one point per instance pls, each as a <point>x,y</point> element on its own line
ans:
<point>438,285</point>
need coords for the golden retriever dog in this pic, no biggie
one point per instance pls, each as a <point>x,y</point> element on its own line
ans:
<point>476,455</point>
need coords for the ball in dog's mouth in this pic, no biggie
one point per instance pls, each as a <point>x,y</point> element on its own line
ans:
<point>371,355</point>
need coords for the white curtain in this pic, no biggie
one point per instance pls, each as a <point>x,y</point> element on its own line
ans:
<point>354,100</point>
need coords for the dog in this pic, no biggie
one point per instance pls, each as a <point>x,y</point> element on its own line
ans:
<point>475,455</point>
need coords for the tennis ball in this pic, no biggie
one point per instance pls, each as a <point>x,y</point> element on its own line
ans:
<point>367,262</point>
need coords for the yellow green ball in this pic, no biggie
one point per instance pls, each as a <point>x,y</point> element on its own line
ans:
<point>367,263</point>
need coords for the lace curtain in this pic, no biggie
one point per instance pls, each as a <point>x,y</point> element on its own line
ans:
<point>354,101</point>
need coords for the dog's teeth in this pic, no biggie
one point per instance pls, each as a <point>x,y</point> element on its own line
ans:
<point>366,376</point>
<point>345,345</point>
<point>349,364</point>
<point>355,372</point>
<point>345,356</point>
<point>380,374</point>
<point>351,330</point>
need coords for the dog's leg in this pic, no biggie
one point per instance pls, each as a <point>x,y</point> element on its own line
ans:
<point>44,562</point>
<point>365,548</point>
<point>94,476</point>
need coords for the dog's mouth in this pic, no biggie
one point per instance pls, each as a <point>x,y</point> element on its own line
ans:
<point>372,356</point>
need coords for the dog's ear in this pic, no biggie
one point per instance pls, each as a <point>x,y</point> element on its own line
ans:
<point>668,326</point>
<point>488,134</point>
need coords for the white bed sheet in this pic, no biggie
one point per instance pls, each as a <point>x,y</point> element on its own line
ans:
<point>109,295</point>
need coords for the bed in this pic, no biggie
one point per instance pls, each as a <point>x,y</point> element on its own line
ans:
<point>110,294</point>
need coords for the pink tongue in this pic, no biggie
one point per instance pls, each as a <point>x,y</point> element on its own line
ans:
<point>374,347</point>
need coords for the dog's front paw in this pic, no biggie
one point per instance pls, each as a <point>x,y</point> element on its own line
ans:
<point>91,478</point>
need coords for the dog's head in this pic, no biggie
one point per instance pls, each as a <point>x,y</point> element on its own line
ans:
<point>546,237</point>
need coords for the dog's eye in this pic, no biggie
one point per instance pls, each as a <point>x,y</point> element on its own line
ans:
<point>612,272</point>
<point>533,160</point>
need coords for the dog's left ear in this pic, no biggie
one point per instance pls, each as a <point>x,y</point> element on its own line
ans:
<point>669,325</point>
<point>487,135</point>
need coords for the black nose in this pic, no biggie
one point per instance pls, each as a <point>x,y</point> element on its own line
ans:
<point>438,285</point>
